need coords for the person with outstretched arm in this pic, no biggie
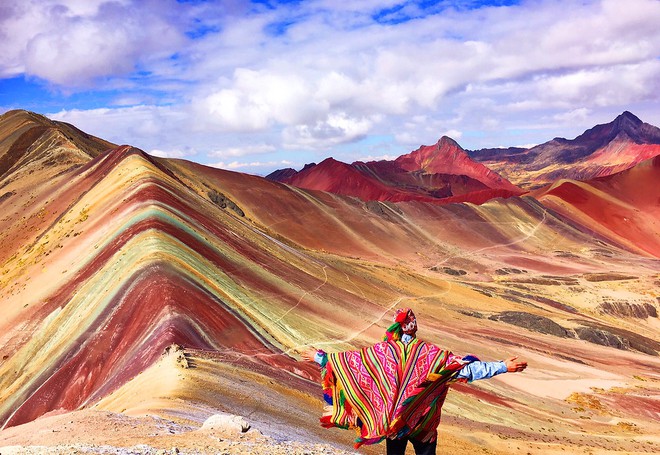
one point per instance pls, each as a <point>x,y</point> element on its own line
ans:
<point>394,390</point>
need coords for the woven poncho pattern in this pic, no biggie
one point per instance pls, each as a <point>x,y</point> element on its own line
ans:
<point>390,389</point>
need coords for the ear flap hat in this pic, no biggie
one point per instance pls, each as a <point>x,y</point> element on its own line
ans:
<point>405,322</point>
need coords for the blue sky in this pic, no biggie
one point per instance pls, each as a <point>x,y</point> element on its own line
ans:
<point>256,86</point>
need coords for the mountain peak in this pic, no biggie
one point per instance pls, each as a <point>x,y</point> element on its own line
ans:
<point>441,157</point>
<point>312,170</point>
<point>433,159</point>
<point>281,175</point>
<point>25,135</point>
<point>601,150</point>
<point>21,115</point>
<point>447,141</point>
<point>628,117</point>
<point>626,122</point>
<point>449,158</point>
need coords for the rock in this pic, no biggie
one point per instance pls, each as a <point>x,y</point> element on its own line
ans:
<point>533,322</point>
<point>7,195</point>
<point>449,271</point>
<point>547,280</point>
<point>566,254</point>
<point>602,337</point>
<point>622,308</point>
<point>177,353</point>
<point>382,208</point>
<point>226,422</point>
<point>509,271</point>
<point>595,277</point>
<point>617,338</point>
<point>473,314</point>
<point>224,202</point>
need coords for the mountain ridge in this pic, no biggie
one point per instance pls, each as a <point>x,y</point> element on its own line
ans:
<point>26,137</point>
<point>601,150</point>
<point>441,173</point>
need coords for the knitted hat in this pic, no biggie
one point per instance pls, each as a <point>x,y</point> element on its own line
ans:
<point>404,322</point>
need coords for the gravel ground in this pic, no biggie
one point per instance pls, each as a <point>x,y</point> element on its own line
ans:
<point>230,448</point>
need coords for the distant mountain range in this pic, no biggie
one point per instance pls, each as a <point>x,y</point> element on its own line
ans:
<point>600,151</point>
<point>445,172</point>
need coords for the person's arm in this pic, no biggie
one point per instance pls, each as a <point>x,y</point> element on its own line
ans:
<point>481,370</point>
<point>475,371</point>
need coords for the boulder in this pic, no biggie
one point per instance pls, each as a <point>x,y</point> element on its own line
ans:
<point>226,423</point>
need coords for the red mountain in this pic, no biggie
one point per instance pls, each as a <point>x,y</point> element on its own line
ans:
<point>447,157</point>
<point>439,173</point>
<point>341,178</point>
<point>621,207</point>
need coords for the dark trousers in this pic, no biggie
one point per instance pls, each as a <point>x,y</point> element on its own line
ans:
<point>398,446</point>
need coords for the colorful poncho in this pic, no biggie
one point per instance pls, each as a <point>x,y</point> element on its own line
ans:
<point>389,390</point>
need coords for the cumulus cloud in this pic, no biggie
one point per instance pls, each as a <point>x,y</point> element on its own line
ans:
<point>72,43</point>
<point>575,115</point>
<point>615,85</point>
<point>377,158</point>
<point>336,129</point>
<point>258,99</point>
<point>421,64</point>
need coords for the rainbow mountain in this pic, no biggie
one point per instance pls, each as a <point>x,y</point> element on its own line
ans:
<point>113,259</point>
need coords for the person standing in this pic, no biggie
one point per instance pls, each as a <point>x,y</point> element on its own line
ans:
<point>394,390</point>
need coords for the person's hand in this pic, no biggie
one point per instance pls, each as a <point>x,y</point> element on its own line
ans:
<point>513,365</point>
<point>309,354</point>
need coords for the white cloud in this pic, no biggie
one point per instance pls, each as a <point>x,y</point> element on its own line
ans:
<point>254,149</point>
<point>336,129</point>
<point>454,134</point>
<point>400,70</point>
<point>259,99</point>
<point>145,127</point>
<point>574,115</point>
<point>377,158</point>
<point>363,6</point>
<point>253,166</point>
<point>170,153</point>
<point>616,85</point>
<point>72,43</point>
